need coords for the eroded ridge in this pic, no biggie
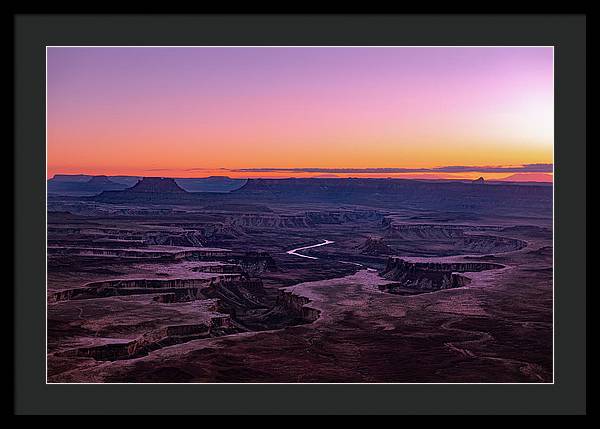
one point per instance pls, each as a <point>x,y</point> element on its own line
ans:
<point>184,287</point>
<point>156,339</point>
<point>167,254</point>
<point>445,240</point>
<point>430,276</point>
<point>298,306</point>
<point>236,301</point>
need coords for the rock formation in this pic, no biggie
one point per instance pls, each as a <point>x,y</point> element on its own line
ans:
<point>375,247</point>
<point>157,185</point>
<point>429,276</point>
<point>155,190</point>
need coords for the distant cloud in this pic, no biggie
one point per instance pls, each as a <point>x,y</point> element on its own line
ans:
<point>207,169</point>
<point>526,168</point>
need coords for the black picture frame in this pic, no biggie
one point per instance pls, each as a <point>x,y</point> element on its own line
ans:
<point>32,33</point>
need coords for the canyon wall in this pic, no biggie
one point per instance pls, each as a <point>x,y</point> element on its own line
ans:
<point>430,276</point>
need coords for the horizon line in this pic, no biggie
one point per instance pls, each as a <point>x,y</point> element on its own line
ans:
<point>538,167</point>
<point>537,177</point>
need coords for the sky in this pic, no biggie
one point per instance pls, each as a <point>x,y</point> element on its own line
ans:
<point>301,112</point>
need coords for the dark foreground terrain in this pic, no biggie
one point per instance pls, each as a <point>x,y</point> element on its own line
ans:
<point>299,280</point>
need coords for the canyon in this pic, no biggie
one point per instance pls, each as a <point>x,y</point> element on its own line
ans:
<point>298,280</point>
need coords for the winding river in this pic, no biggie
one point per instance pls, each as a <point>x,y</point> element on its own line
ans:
<point>295,251</point>
<point>324,243</point>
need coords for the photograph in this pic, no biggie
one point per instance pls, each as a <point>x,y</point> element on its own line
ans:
<point>300,214</point>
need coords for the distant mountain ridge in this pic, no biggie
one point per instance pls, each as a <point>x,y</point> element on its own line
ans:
<point>73,184</point>
<point>501,198</point>
<point>83,185</point>
<point>528,177</point>
<point>397,193</point>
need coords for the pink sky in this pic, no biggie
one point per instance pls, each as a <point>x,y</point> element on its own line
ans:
<point>138,110</point>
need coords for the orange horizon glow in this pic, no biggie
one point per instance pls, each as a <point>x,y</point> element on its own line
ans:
<point>527,176</point>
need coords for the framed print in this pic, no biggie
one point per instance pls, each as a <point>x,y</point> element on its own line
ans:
<point>301,212</point>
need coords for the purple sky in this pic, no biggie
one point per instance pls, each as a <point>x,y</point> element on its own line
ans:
<point>129,110</point>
